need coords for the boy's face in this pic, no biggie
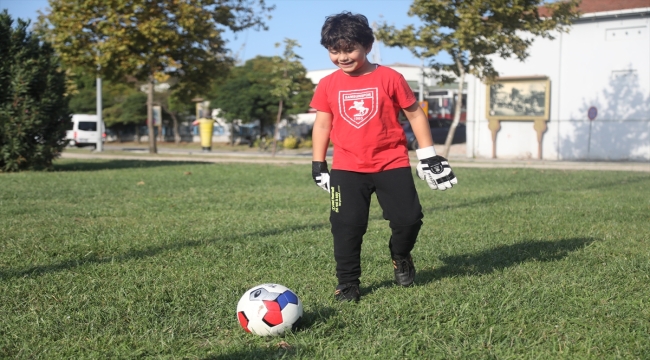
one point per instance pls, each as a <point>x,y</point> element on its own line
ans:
<point>352,59</point>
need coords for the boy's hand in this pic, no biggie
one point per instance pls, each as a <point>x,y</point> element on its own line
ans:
<point>320,174</point>
<point>435,169</point>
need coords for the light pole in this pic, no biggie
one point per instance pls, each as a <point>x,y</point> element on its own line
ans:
<point>100,122</point>
<point>421,89</point>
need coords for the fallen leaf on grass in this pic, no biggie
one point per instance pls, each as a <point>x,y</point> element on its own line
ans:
<point>141,183</point>
<point>283,345</point>
<point>188,173</point>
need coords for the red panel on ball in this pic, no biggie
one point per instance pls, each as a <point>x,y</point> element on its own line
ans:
<point>243,321</point>
<point>273,315</point>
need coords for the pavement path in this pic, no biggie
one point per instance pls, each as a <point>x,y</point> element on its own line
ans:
<point>457,158</point>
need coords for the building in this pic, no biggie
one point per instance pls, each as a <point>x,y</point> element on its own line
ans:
<point>598,78</point>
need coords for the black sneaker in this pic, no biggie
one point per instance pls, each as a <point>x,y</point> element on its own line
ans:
<point>404,270</point>
<point>347,292</point>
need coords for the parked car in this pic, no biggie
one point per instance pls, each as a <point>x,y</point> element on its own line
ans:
<point>439,130</point>
<point>82,131</point>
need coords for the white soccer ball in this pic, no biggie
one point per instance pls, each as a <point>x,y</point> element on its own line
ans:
<point>269,309</point>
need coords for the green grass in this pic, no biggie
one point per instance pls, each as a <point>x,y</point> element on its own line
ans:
<point>129,259</point>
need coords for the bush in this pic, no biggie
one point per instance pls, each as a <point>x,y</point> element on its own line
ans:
<point>33,105</point>
<point>290,142</point>
<point>306,143</point>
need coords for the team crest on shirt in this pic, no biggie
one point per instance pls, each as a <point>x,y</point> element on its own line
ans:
<point>357,107</point>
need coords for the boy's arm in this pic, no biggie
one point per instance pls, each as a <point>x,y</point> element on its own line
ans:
<point>419,124</point>
<point>320,138</point>
<point>320,135</point>
<point>433,168</point>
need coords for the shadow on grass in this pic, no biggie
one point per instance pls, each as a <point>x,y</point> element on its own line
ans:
<point>495,259</point>
<point>143,253</point>
<point>502,257</point>
<point>280,350</point>
<point>495,199</point>
<point>100,164</point>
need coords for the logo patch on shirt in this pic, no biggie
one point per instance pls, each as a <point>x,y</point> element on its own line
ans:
<point>357,107</point>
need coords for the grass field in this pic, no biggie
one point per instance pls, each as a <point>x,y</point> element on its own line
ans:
<point>128,259</point>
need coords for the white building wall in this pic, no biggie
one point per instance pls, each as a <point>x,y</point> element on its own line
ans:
<point>410,73</point>
<point>600,63</point>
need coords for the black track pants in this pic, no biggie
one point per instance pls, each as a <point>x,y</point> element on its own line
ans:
<point>350,201</point>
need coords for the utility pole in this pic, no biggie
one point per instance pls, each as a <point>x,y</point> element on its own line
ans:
<point>421,90</point>
<point>376,54</point>
<point>100,122</point>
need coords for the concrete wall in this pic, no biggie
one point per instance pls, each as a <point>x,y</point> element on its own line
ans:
<point>602,62</point>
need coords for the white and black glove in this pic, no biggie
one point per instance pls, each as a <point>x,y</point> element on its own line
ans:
<point>320,174</point>
<point>434,169</point>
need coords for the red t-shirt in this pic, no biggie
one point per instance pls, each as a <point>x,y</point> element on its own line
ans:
<point>366,133</point>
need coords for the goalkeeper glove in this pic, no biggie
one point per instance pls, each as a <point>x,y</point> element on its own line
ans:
<point>434,169</point>
<point>320,174</point>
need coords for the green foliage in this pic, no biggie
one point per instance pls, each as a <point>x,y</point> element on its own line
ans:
<point>122,103</point>
<point>131,109</point>
<point>533,264</point>
<point>472,31</point>
<point>176,104</point>
<point>33,105</point>
<point>83,98</point>
<point>288,73</point>
<point>248,93</point>
<point>151,40</point>
<point>137,38</point>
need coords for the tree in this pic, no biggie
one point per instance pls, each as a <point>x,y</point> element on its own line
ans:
<point>126,109</point>
<point>123,103</point>
<point>175,102</point>
<point>473,31</point>
<point>287,70</point>
<point>33,102</point>
<point>151,40</point>
<point>247,94</point>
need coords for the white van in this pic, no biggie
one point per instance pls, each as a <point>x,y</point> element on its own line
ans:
<point>83,131</point>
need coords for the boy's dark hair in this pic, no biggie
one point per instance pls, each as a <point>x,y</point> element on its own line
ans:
<point>344,30</point>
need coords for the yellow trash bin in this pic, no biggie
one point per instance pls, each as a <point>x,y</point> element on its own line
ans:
<point>205,130</point>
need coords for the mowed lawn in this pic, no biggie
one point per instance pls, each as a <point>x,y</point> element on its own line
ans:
<point>133,259</point>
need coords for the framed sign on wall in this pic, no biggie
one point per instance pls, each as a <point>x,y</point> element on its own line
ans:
<point>518,99</point>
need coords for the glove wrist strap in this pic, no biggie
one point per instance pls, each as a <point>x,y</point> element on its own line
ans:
<point>319,166</point>
<point>426,152</point>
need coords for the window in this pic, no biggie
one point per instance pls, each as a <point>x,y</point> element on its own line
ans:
<point>87,125</point>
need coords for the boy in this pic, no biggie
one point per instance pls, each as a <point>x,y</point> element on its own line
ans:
<point>357,109</point>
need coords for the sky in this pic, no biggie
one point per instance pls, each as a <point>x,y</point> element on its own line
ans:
<point>300,20</point>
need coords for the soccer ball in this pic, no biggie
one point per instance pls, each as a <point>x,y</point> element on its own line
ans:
<point>269,309</point>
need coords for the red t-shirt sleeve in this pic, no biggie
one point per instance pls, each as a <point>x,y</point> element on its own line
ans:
<point>319,101</point>
<point>403,94</point>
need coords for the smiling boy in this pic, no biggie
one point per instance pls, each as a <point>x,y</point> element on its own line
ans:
<point>357,110</point>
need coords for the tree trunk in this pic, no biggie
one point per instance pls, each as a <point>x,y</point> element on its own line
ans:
<point>459,104</point>
<point>232,133</point>
<point>152,132</point>
<point>276,132</point>
<point>177,135</point>
<point>137,133</point>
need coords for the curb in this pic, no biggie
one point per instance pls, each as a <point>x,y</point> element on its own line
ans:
<point>457,162</point>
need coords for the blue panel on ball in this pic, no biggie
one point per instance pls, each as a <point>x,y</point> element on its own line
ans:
<point>282,300</point>
<point>291,297</point>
